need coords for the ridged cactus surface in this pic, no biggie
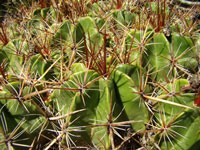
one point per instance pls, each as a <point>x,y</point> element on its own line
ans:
<point>94,74</point>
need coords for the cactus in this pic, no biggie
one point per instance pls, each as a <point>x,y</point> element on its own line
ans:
<point>99,75</point>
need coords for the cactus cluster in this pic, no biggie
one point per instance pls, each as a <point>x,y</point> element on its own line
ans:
<point>94,74</point>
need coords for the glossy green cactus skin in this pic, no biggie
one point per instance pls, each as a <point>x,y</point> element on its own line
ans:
<point>81,89</point>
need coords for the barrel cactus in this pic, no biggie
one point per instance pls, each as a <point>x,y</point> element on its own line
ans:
<point>99,75</point>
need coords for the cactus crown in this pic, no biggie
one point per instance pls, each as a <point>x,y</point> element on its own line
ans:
<point>94,74</point>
